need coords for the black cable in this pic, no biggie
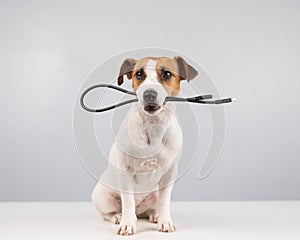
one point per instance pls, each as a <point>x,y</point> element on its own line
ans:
<point>109,107</point>
<point>198,99</point>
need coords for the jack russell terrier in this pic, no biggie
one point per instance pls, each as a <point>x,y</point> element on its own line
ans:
<point>144,158</point>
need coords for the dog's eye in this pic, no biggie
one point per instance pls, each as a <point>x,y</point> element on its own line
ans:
<point>166,75</point>
<point>140,75</point>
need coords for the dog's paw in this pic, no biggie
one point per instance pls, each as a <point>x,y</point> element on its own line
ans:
<point>116,219</point>
<point>153,217</point>
<point>165,225</point>
<point>126,229</point>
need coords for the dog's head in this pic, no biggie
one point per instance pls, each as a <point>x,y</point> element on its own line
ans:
<point>155,78</point>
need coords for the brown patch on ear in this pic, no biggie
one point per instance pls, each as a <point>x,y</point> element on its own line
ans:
<point>126,68</point>
<point>185,70</point>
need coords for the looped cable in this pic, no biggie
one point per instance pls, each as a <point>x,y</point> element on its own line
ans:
<point>197,99</point>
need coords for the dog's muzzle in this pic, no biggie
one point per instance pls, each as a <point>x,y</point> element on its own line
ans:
<point>150,101</point>
<point>151,96</point>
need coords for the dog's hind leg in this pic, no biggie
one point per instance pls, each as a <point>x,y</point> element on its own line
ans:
<point>152,215</point>
<point>113,217</point>
<point>108,203</point>
<point>147,208</point>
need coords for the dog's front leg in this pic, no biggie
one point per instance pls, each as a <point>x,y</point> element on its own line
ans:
<point>165,223</point>
<point>128,221</point>
<point>164,216</point>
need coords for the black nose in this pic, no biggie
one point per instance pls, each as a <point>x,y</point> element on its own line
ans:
<point>150,96</point>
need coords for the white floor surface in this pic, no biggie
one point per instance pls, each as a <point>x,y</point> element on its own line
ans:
<point>194,220</point>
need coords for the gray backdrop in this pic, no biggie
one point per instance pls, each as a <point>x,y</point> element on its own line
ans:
<point>250,48</point>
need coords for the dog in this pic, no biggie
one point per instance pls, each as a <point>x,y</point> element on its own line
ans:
<point>144,158</point>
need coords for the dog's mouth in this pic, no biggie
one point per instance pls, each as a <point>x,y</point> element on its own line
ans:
<point>152,108</point>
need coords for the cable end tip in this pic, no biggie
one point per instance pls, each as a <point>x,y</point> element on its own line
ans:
<point>233,99</point>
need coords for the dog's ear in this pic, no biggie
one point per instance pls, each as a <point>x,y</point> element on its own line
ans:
<point>185,71</point>
<point>126,68</point>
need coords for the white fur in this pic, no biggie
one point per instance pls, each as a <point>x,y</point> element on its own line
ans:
<point>142,165</point>
<point>151,82</point>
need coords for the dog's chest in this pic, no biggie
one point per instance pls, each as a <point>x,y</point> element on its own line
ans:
<point>152,135</point>
<point>148,171</point>
<point>147,165</point>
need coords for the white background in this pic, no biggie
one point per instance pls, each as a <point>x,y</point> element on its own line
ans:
<point>250,48</point>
